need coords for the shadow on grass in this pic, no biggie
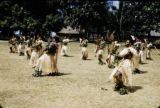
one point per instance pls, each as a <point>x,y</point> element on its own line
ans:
<point>143,63</point>
<point>143,72</point>
<point>139,72</point>
<point>133,89</point>
<point>104,89</point>
<point>1,106</point>
<point>88,59</point>
<point>67,56</point>
<point>149,59</point>
<point>57,74</point>
<point>61,74</point>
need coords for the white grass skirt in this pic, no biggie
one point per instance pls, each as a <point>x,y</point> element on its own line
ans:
<point>21,48</point>
<point>125,67</point>
<point>84,52</point>
<point>46,63</point>
<point>33,59</point>
<point>100,52</point>
<point>64,50</point>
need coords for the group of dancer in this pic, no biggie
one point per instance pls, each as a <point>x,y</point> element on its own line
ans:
<point>125,62</point>
<point>128,63</point>
<point>43,57</point>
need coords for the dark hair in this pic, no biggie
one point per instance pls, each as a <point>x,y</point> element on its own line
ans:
<point>51,49</point>
<point>57,39</point>
<point>128,56</point>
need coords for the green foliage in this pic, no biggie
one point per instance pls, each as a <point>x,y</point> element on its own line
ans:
<point>30,23</point>
<point>90,15</point>
<point>29,15</point>
<point>86,14</point>
<point>53,22</point>
<point>137,17</point>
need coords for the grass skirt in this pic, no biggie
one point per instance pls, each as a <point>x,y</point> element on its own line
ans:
<point>64,50</point>
<point>33,59</point>
<point>46,63</point>
<point>84,53</point>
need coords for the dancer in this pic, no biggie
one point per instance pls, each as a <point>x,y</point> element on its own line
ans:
<point>56,43</point>
<point>141,53</point>
<point>40,45</point>
<point>13,45</point>
<point>84,44</point>
<point>64,46</point>
<point>29,47</point>
<point>21,48</point>
<point>135,47</point>
<point>112,52</point>
<point>80,41</point>
<point>97,44</point>
<point>122,74</point>
<point>46,63</point>
<point>34,56</point>
<point>101,50</point>
<point>148,51</point>
<point>135,59</point>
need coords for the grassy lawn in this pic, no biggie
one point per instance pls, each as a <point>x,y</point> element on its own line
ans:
<point>79,86</point>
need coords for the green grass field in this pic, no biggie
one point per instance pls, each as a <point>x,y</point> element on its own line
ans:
<point>79,86</point>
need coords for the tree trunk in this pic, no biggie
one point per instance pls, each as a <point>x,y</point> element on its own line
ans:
<point>120,23</point>
<point>120,28</point>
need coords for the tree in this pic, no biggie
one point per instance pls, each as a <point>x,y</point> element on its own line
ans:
<point>85,14</point>
<point>29,15</point>
<point>136,18</point>
<point>90,15</point>
<point>147,18</point>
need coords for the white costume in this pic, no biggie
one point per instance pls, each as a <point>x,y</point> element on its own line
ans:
<point>64,47</point>
<point>46,63</point>
<point>125,67</point>
<point>34,58</point>
<point>84,52</point>
<point>141,54</point>
<point>21,48</point>
<point>135,58</point>
<point>84,44</point>
<point>100,52</point>
<point>148,53</point>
